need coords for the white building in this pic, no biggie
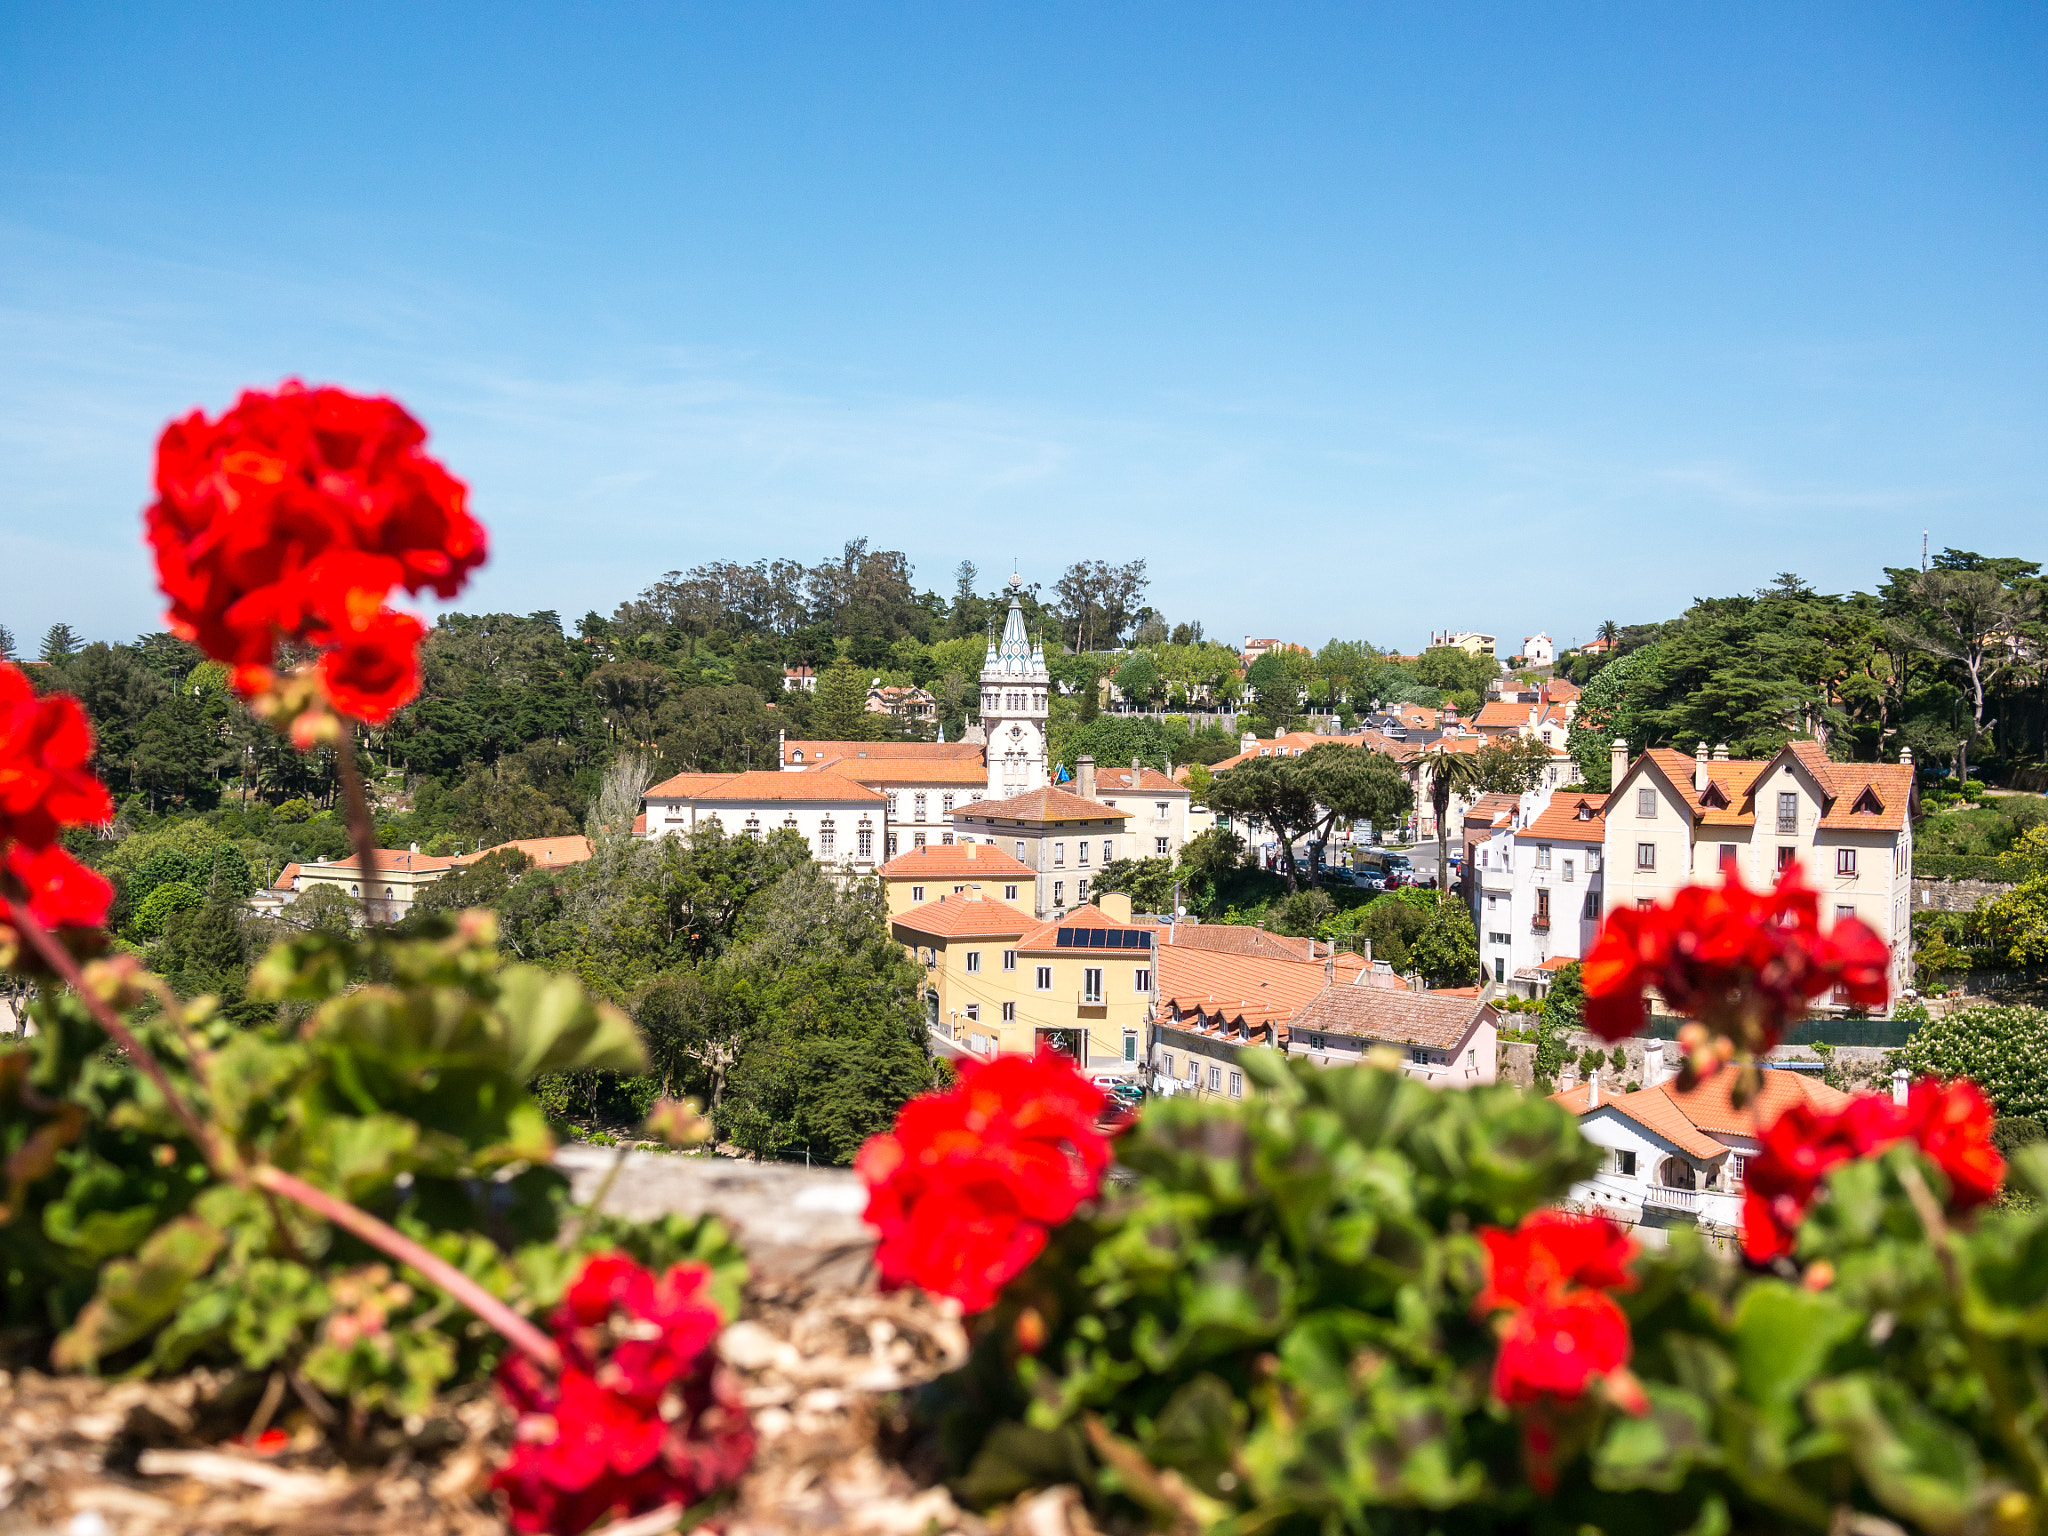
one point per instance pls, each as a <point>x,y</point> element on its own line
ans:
<point>1536,882</point>
<point>1673,1157</point>
<point>1015,686</point>
<point>1673,819</point>
<point>844,822</point>
<point>1539,650</point>
<point>1163,815</point>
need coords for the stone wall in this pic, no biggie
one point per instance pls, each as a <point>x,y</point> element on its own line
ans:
<point>1955,895</point>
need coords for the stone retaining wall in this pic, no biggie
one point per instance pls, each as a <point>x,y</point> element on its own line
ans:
<point>1955,895</point>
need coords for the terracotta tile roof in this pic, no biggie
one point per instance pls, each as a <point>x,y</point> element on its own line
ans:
<point>960,917</point>
<point>762,784</point>
<point>1650,1108</point>
<point>1685,1118</point>
<point>901,770</point>
<point>1867,797</point>
<point>1561,690</point>
<point>1045,937</point>
<point>548,852</point>
<point>286,878</point>
<point>1244,990</point>
<point>961,860</point>
<point>1113,780</point>
<point>1561,822</point>
<point>1499,714</point>
<point>1046,804</point>
<point>389,859</point>
<point>1293,744</point>
<point>1438,1019</point>
<point>640,824</point>
<point>1236,939</point>
<point>936,750</point>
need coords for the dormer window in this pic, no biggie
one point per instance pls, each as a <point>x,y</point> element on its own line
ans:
<point>1867,803</point>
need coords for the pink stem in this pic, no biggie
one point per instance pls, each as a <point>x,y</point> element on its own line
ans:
<point>522,1334</point>
<point>60,961</point>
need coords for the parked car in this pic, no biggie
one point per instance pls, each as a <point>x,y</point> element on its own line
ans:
<point>1369,880</point>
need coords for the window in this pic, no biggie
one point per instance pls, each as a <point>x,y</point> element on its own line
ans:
<point>1045,978</point>
<point>959,890</point>
<point>1059,893</point>
<point>917,808</point>
<point>1215,1079</point>
<point>1081,892</point>
<point>1472,1057</point>
<point>1237,1085</point>
<point>1500,969</point>
<point>1786,856</point>
<point>1844,913</point>
<point>1646,802</point>
<point>1592,908</point>
<point>1059,855</point>
<point>1161,846</point>
<point>917,893</point>
<point>1009,959</point>
<point>1543,855</point>
<point>1009,893</point>
<point>1020,852</point>
<point>1567,871</point>
<point>1084,853</point>
<point>917,839</point>
<point>1542,907</point>
<point>1788,810</point>
<point>1009,1013</point>
<point>1168,1060</point>
<point>1091,983</point>
<point>1643,903</point>
<point>1143,976</point>
<point>1159,810</point>
<point>865,841</point>
<point>947,839</point>
<point>892,845</point>
<point>895,807</point>
<point>974,1013</point>
<point>973,961</point>
<point>753,828</point>
<point>1646,855</point>
<point>1728,855</point>
<point>1626,1161</point>
<point>946,804</point>
<point>1592,860</point>
<point>1845,861</point>
<point>1130,1045</point>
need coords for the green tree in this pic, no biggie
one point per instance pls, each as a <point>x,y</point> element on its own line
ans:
<point>1148,882</point>
<point>229,875</point>
<point>60,643</point>
<point>2003,1050</point>
<point>1268,790</point>
<point>176,754</point>
<point>1611,706</point>
<point>841,712</point>
<point>1278,695</point>
<point>6,644</point>
<point>1138,680</point>
<point>1452,669</point>
<point>1564,1012</point>
<point>1446,951</point>
<point>1510,764</point>
<point>156,908</point>
<point>1349,783</point>
<point>1973,615</point>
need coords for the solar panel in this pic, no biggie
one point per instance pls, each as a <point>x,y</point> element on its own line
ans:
<point>1064,939</point>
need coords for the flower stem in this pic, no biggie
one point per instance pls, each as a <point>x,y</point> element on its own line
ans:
<point>218,1157</point>
<point>516,1329</point>
<point>362,830</point>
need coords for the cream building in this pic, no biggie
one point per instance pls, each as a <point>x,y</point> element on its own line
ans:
<point>933,872</point>
<point>402,874</point>
<point>844,822</point>
<point>1673,819</point>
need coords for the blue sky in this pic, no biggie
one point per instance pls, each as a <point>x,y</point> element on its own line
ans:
<point>1350,320</point>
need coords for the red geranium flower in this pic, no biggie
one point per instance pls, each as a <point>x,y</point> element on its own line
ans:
<point>642,1415</point>
<point>374,666</point>
<point>1952,1123</point>
<point>47,784</point>
<point>1556,1348</point>
<point>965,1186</point>
<point>293,517</point>
<point>1743,962</point>
<point>1551,1252</point>
<point>62,893</point>
<point>1949,1121</point>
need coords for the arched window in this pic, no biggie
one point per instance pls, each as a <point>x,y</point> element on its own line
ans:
<point>355,890</point>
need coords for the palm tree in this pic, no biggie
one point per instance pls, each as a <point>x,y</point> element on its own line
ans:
<point>1449,773</point>
<point>1610,632</point>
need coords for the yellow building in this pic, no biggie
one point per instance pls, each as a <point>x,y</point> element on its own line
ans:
<point>997,980</point>
<point>926,874</point>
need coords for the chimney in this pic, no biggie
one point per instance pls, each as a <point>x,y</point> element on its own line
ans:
<point>1721,753</point>
<point>1568,1077</point>
<point>1617,763</point>
<point>1248,742</point>
<point>1084,776</point>
<point>1593,1089</point>
<point>1116,904</point>
<point>1900,1079</point>
<point>1699,766</point>
<point>1905,757</point>
<point>971,846</point>
<point>1414,979</point>
<point>1653,1063</point>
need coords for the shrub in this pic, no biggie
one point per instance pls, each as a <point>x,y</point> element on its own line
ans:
<point>2004,1050</point>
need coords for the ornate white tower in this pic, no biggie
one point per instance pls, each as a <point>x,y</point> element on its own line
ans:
<point>1014,686</point>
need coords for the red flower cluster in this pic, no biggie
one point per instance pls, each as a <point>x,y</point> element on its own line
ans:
<point>1563,1331</point>
<point>965,1186</point>
<point>1950,1121</point>
<point>46,784</point>
<point>293,517</point>
<point>643,1414</point>
<point>1743,962</point>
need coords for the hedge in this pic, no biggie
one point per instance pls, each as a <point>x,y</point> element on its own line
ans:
<point>1998,868</point>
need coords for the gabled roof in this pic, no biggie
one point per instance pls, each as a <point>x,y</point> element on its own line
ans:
<point>1118,780</point>
<point>1570,819</point>
<point>1729,799</point>
<point>959,861</point>
<point>1237,939</point>
<point>964,917</point>
<point>1434,1019</point>
<point>1500,714</point>
<point>936,750</point>
<point>1046,804</point>
<point>401,860</point>
<point>287,878</point>
<point>1046,936</point>
<point>1686,1118</point>
<point>762,784</point>
<point>1243,990</point>
<point>940,772</point>
<point>547,852</point>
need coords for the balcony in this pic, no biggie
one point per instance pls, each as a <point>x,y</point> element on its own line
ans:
<point>1540,923</point>
<point>1657,1197</point>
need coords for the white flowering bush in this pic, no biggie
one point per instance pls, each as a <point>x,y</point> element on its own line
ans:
<point>2004,1050</point>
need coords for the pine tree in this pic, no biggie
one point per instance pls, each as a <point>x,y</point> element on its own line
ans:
<point>841,712</point>
<point>6,643</point>
<point>61,643</point>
